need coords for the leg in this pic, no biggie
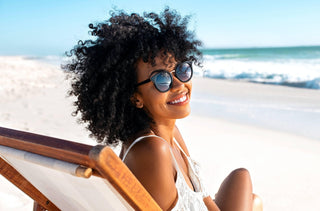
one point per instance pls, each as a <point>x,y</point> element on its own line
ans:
<point>235,193</point>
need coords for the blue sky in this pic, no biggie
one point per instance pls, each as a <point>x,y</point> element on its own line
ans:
<point>43,27</point>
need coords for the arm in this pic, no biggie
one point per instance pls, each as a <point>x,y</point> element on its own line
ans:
<point>151,162</point>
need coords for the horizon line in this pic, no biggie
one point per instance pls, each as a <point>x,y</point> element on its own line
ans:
<point>200,48</point>
<point>257,47</point>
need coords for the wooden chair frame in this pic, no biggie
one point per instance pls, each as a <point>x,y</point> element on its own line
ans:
<point>101,159</point>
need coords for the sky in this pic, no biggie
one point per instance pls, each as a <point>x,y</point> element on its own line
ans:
<point>50,27</point>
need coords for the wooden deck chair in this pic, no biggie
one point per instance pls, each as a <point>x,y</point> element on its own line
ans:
<point>64,175</point>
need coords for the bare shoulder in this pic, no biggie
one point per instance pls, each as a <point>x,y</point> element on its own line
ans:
<point>180,140</point>
<point>150,160</point>
<point>149,149</point>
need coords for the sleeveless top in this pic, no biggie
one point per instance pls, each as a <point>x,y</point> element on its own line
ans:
<point>187,198</point>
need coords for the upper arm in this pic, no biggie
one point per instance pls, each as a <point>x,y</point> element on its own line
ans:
<point>151,162</point>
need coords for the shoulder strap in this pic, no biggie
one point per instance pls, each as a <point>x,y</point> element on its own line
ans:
<point>177,143</point>
<point>133,143</point>
<point>175,163</point>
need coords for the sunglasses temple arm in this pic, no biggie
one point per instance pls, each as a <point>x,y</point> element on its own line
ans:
<point>144,82</point>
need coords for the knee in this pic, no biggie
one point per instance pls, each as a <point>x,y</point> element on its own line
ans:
<point>238,179</point>
<point>240,176</point>
<point>236,191</point>
<point>240,173</point>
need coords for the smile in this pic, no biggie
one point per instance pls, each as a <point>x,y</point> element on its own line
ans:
<point>181,100</point>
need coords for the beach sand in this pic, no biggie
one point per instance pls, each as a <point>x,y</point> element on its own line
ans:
<point>283,161</point>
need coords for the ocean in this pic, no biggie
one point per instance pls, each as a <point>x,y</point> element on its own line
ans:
<point>295,111</point>
<point>288,66</point>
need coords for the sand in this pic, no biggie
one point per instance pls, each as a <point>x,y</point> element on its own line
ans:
<point>283,161</point>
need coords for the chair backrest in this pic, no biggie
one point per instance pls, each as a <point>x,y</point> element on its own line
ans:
<point>65,175</point>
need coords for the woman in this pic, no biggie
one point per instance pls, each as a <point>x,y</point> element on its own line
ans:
<point>131,84</point>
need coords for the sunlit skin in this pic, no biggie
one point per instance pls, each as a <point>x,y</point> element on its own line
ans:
<point>159,105</point>
<point>150,160</point>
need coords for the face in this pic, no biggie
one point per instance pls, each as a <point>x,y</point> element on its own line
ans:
<point>173,104</point>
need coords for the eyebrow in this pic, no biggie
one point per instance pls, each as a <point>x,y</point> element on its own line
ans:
<point>156,71</point>
<point>159,70</point>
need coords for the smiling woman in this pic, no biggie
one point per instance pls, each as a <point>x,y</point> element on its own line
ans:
<point>106,75</point>
<point>132,82</point>
<point>168,96</point>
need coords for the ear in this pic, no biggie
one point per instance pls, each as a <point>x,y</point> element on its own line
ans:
<point>136,100</point>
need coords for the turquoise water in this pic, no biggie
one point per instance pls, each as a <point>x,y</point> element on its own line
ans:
<point>289,66</point>
<point>266,54</point>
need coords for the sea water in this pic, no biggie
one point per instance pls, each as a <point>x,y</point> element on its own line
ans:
<point>289,66</point>
<point>295,110</point>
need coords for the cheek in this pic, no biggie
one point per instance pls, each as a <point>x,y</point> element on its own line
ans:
<point>154,101</point>
<point>157,101</point>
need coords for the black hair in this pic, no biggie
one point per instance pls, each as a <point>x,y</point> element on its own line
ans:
<point>103,69</point>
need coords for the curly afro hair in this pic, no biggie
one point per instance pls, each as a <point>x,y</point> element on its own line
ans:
<point>103,69</point>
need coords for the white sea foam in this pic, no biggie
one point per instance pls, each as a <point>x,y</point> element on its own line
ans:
<point>290,72</point>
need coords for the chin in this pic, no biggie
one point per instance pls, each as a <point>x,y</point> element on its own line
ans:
<point>183,114</point>
<point>183,117</point>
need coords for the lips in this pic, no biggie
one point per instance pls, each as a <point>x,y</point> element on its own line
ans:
<point>179,100</point>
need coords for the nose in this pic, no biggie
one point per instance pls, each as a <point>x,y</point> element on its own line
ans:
<point>176,83</point>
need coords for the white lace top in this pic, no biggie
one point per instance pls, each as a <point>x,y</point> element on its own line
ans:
<point>187,198</point>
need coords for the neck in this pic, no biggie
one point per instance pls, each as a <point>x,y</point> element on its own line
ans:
<point>164,129</point>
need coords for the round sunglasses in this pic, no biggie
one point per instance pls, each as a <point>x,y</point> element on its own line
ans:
<point>162,79</point>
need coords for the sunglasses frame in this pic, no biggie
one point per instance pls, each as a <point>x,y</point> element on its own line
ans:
<point>170,74</point>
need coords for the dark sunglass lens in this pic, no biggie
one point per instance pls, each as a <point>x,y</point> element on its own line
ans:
<point>162,81</point>
<point>184,72</point>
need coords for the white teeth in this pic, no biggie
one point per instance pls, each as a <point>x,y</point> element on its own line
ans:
<point>182,99</point>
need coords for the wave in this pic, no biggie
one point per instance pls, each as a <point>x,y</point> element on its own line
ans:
<point>303,73</point>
